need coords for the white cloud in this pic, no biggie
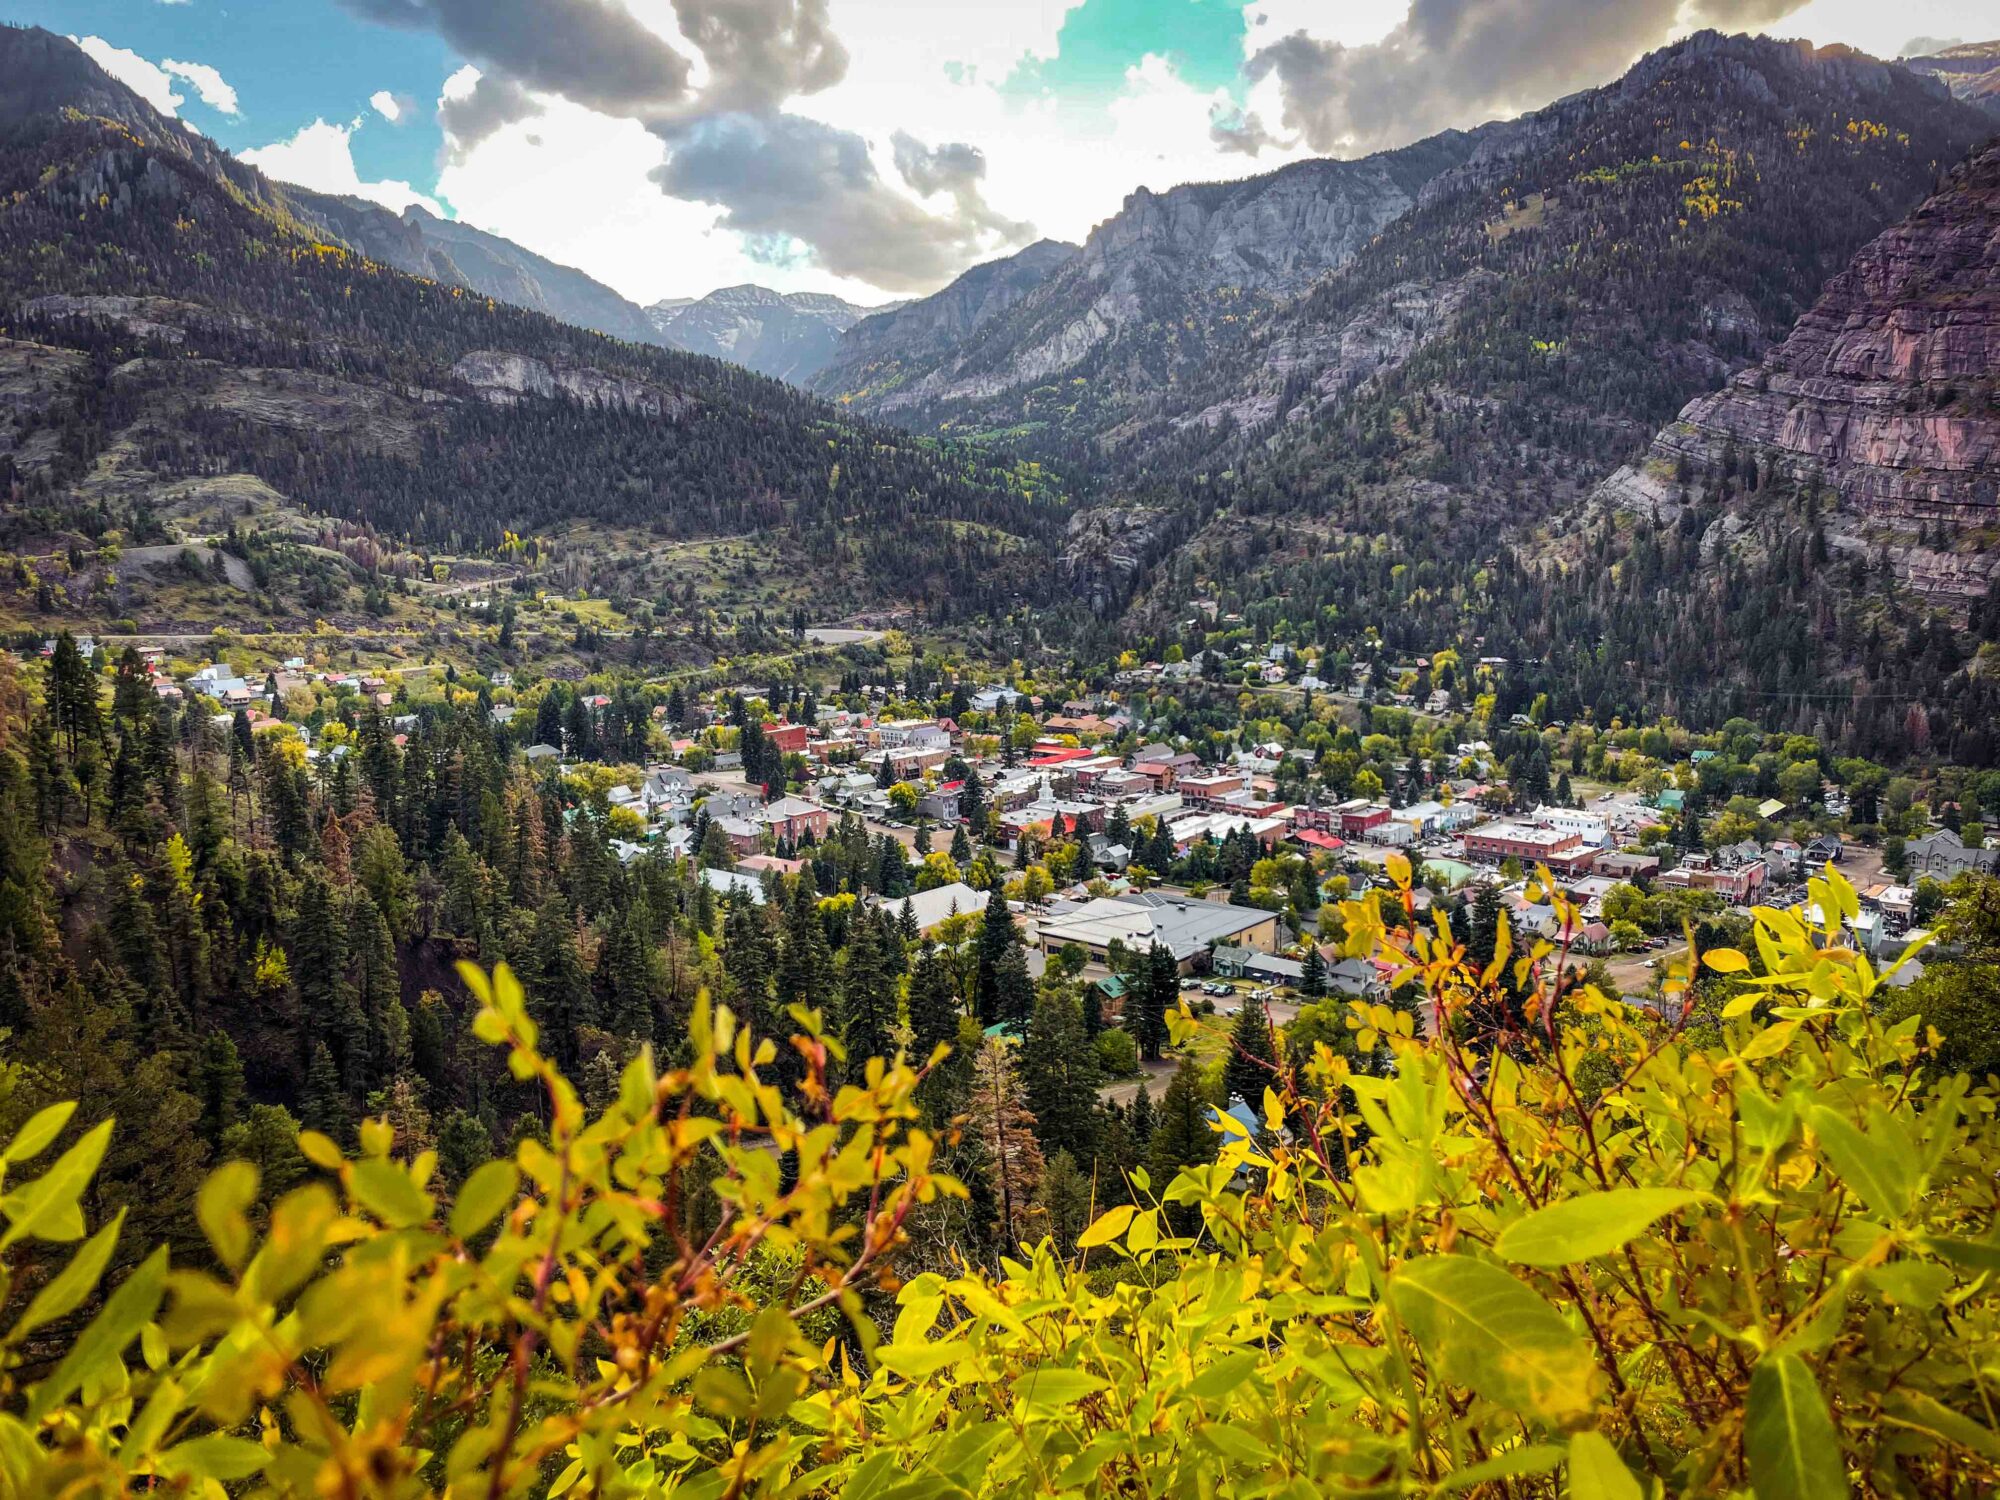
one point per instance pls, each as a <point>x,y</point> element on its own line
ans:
<point>206,82</point>
<point>154,82</point>
<point>143,78</point>
<point>321,157</point>
<point>387,105</point>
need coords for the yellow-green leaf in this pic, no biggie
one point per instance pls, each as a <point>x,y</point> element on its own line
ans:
<point>125,1312</point>
<point>213,1457</point>
<point>1867,1170</point>
<point>1589,1225</point>
<point>220,1208</point>
<point>386,1191</point>
<point>1596,1472</point>
<point>66,1291</point>
<point>1108,1227</point>
<point>485,1193</point>
<point>1790,1440</point>
<point>1057,1386</point>
<point>1482,1328</point>
<point>47,1207</point>
<point>1725,961</point>
<point>33,1138</point>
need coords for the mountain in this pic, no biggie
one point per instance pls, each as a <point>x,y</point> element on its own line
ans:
<point>786,335</point>
<point>1971,70</point>
<point>1882,409</point>
<point>1408,453</point>
<point>500,268</point>
<point>879,355</point>
<point>1075,339</point>
<point>180,330</point>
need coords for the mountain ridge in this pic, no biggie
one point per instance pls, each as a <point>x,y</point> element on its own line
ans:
<point>786,335</point>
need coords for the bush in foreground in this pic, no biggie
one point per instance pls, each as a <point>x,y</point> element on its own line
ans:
<point>1593,1255</point>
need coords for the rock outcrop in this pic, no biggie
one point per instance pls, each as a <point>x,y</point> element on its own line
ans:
<point>506,378</point>
<point>1106,548</point>
<point>1885,398</point>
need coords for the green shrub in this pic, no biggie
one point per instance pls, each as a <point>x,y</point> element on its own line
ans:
<point>1763,1259</point>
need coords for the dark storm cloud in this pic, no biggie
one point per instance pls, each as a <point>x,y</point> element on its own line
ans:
<point>793,187</point>
<point>1458,62</point>
<point>958,169</point>
<point>782,178</point>
<point>495,100</point>
<point>591,51</point>
<point>1233,130</point>
<point>761,52</point>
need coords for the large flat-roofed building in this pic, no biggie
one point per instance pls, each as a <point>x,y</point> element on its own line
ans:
<point>1186,927</point>
<point>1564,853</point>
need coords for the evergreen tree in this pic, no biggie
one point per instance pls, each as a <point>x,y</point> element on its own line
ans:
<point>1065,1200</point>
<point>219,1087</point>
<point>1141,1118</point>
<point>558,985</point>
<point>1060,1075</point>
<point>1312,982</point>
<point>867,996</point>
<point>1148,995</point>
<point>323,1106</point>
<point>997,938</point>
<point>1251,1065</point>
<point>1182,1135</point>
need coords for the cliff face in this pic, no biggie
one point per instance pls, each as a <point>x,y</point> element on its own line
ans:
<point>1885,397</point>
<point>1152,287</point>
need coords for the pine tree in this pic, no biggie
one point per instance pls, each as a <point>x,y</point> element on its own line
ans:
<point>1153,989</point>
<point>867,996</point>
<point>323,1106</point>
<point>559,995</point>
<point>934,1013</point>
<point>218,1085</point>
<point>1182,1135</point>
<point>1312,982</point>
<point>1142,1118</point>
<point>997,938</point>
<point>377,992</point>
<point>1251,1066</point>
<point>626,979</point>
<point>1004,1128</point>
<point>1060,1075</point>
<point>1065,1200</point>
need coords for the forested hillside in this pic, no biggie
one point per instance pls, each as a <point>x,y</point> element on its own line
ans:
<point>401,402</point>
<point>1403,451</point>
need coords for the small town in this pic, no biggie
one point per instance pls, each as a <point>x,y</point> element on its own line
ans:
<point>1230,854</point>
<point>1036,750</point>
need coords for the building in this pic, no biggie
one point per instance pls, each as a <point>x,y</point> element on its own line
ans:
<point>1427,819</point>
<point>1588,826</point>
<point>786,739</point>
<point>794,817</point>
<point>1359,817</point>
<point>1563,853</point>
<point>1187,928</point>
<point>1943,854</point>
<point>1737,883</point>
<point>735,884</point>
<point>933,908</point>
<point>1620,865</point>
<point>1206,791</point>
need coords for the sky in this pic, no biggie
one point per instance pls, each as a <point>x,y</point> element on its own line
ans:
<point>871,148</point>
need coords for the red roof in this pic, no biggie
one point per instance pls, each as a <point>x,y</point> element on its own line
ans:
<point>1060,757</point>
<point>1316,839</point>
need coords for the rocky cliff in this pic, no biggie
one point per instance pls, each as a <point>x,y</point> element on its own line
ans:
<point>1884,403</point>
<point>1151,289</point>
